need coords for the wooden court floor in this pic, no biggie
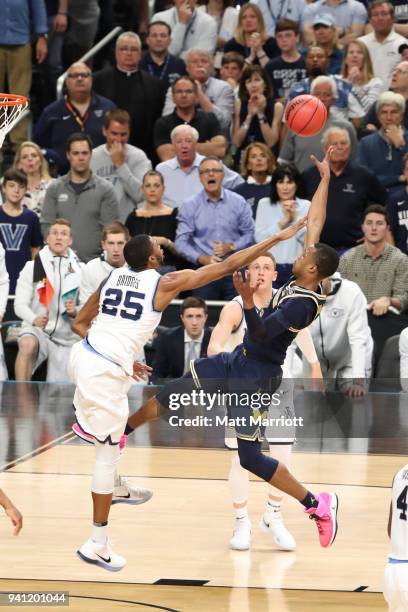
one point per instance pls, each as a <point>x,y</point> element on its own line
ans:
<point>177,544</point>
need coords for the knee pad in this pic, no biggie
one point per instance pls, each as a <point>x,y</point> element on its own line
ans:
<point>107,458</point>
<point>252,459</point>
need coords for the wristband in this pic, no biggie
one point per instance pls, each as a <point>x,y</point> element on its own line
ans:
<point>262,119</point>
<point>245,126</point>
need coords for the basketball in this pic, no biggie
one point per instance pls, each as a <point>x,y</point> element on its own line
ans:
<point>305,115</point>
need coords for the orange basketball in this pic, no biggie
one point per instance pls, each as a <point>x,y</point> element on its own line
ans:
<point>305,115</point>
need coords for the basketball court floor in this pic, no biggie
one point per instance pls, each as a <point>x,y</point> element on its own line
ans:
<point>177,543</point>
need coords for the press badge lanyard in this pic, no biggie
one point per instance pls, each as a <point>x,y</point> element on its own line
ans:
<point>188,28</point>
<point>280,11</point>
<point>76,114</point>
<point>163,70</point>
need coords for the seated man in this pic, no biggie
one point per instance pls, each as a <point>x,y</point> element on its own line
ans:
<point>181,173</point>
<point>177,346</point>
<point>350,17</point>
<point>211,140</point>
<point>342,337</point>
<point>46,301</point>
<point>381,271</point>
<point>81,109</point>
<point>212,225</point>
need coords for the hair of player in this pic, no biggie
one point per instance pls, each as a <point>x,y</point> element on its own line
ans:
<point>115,228</point>
<point>245,172</point>
<point>137,251</point>
<point>282,171</point>
<point>78,137</point>
<point>378,209</point>
<point>327,260</point>
<point>268,255</point>
<point>15,175</point>
<point>118,115</point>
<point>193,302</point>
<point>60,221</point>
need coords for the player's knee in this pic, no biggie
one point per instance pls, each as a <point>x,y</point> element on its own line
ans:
<point>28,346</point>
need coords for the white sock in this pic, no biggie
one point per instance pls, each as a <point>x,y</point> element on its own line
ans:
<point>273,509</point>
<point>241,513</point>
<point>100,533</point>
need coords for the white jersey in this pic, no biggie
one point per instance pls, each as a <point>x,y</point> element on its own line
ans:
<point>127,317</point>
<point>399,527</point>
<point>237,336</point>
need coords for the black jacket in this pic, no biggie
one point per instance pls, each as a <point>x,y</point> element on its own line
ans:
<point>169,357</point>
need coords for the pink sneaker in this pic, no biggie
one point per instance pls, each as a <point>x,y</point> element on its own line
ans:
<point>325,516</point>
<point>77,429</point>
<point>122,442</point>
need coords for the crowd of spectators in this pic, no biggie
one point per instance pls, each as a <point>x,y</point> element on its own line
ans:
<point>179,133</point>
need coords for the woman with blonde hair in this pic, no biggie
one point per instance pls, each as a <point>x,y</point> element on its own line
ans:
<point>358,70</point>
<point>250,37</point>
<point>257,166</point>
<point>30,159</point>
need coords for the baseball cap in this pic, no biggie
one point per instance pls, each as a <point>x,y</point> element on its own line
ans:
<point>402,48</point>
<point>326,19</point>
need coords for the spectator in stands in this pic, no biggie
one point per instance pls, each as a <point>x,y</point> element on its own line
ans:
<point>282,208</point>
<point>257,166</point>
<point>273,10</point>
<point>157,60</point>
<point>46,300</point>
<point>257,116</point>
<point>86,200</point>
<point>20,231</point>
<point>181,173</point>
<point>213,95</point>
<point>289,67</point>
<point>212,225</point>
<point>380,269</point>
<point>211,139</point>
<point>190,28</point>
<point>250,38</point>
<point>397,209</point>
<point>226,16</point>
<point>156,219</point>
<point>403,50</point>
<point>133,90</point>
<point>399,84</point>
<point>352,188</point>
<point>57,18</point>
<point>350,17</point>
<point>342,337</point>
<point>121,163</point>
<point>358,70</point>
<point>83,19</point>
<point>177,346</point>
<point>403,351</point>
<point>383,42</point>
<point>297,149</point>
<point>114,237</point>
<point>30,159</point>
<point>80,108</point>
<point>383,151</point>
<point>346,104</point>
<point>232,65</point>
<point>18,19</point>
<point>325,36</point>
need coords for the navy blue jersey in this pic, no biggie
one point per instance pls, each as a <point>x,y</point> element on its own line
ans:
<point>270,331</point>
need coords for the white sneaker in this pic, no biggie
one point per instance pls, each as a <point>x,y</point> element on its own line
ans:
<point>102,555</point>
<point>124,493</point>
<point>241,538</point>
<point>274,525</point>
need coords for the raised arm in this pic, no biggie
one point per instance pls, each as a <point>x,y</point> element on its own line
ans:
<point>230,318</point>
<point>317,211</point>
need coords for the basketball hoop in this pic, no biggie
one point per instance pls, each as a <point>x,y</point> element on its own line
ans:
<point>11,108</point>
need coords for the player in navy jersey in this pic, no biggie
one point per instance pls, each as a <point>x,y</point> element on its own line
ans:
<point>254,367</point>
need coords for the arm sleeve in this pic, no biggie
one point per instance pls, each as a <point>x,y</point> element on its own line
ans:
<point>304,342</point>
<point>224,109</point>
<point>39,16</point>
<point>49,209</point>
<point>168,103</point>
<point>109,205</point>
<point>266,223</point>
<point>4,282</point>
<point>287,152</point>
<point>131,176</point>
<point>24,294</point>
<point>292,314</point>
<point>400,285</point>
<point>246,226</point>
<point>185,231</point>
<point>42,131</point>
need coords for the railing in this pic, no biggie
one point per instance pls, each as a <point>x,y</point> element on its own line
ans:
<point>95,49</point>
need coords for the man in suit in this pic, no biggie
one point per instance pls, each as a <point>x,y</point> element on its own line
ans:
<point>133,90</point>
<point>177,346</point>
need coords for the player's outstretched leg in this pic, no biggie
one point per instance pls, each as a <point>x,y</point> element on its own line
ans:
<point>271,521</point>
<point>321,507</point>
<point>239,480</point>
<point>98,550</point>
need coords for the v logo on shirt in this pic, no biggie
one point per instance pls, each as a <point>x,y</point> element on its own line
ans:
<point>12,238</point>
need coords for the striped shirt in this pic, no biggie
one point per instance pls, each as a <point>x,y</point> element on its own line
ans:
<point>386,275</point>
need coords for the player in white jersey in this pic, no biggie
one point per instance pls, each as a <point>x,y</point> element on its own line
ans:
<point>396,570</point>
<point>227,334</point>
<point>127,308</point>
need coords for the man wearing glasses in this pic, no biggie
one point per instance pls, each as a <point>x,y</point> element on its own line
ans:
<point>80,110</point>
<point>212,225</point>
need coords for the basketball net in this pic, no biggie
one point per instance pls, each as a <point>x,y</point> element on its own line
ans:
<point>11,108</point>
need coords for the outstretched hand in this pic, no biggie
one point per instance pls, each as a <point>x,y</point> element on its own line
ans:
<point>324,165</point>
<point>244,288</point>
<point>141,371</point>
<point>292,230</point>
